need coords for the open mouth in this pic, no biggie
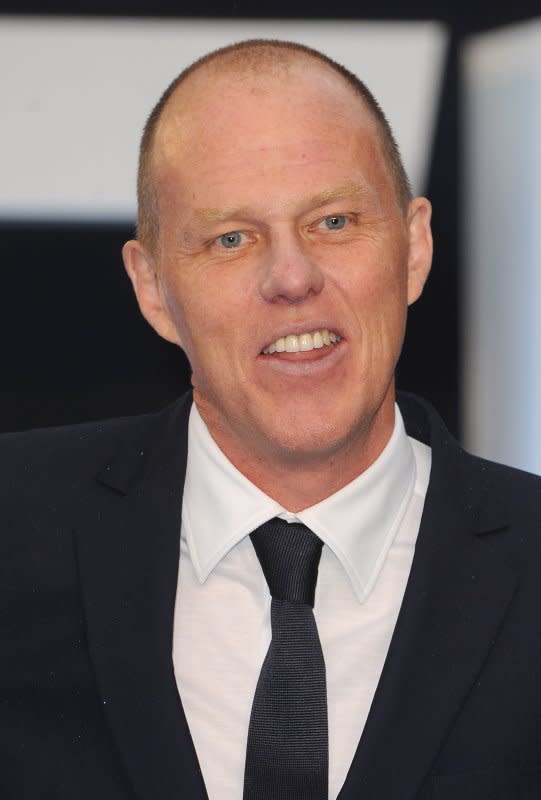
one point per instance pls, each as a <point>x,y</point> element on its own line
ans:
<point>303,342</point>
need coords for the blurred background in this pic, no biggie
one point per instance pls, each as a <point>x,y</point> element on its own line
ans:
<point>461,86</point>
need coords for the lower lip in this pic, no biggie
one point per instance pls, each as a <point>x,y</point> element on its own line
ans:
<point>306,362</point>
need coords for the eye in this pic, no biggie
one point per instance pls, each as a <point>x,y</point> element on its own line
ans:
<point>335,222</point>
<point>231,239</point>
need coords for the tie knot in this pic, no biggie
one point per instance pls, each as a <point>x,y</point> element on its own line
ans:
<point>289,555</point>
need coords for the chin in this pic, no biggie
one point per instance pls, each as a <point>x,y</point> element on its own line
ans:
<point>306,442</point>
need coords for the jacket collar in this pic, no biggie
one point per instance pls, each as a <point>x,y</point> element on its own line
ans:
<point>128,551</point>
<point>458,592</point>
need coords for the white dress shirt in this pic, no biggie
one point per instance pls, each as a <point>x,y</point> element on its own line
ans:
<point>222,613</point>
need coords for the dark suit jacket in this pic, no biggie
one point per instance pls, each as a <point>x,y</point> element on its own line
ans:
<point>89,709</point>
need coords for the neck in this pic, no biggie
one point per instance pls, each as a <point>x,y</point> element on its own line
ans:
<point>300,480</point>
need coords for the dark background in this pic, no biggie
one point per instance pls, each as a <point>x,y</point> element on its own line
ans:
<point>75,346</point>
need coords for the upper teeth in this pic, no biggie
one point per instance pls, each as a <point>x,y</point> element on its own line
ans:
<point>305,341</point>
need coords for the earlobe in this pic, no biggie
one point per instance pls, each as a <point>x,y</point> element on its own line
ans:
<point>420,246</point>
<point>142,271</point>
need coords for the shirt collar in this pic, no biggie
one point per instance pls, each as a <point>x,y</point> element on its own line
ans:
<point>359,522</point>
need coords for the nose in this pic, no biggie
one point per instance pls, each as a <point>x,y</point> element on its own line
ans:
<point>291,274</point>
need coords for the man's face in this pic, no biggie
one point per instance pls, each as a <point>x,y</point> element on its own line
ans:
<point>282,265</point>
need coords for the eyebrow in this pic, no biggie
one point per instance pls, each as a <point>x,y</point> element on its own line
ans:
<point>350,189</point>
<point>221,214</point>
<point>347,190</point>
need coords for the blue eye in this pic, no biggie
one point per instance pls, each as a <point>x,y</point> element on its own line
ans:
<point>335,223</point>
<point>231,239</point>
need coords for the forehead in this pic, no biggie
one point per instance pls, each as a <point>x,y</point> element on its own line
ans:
<point>222,101</point>
<point>231,121</point>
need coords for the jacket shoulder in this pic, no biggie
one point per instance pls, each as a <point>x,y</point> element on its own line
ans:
<point>476,479</point>
<point>60,462</point>
<point>44,452</point>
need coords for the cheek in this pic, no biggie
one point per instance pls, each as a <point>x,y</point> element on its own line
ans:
<point>209,318</point>
<point>376,293</point>
<point>375,286</point>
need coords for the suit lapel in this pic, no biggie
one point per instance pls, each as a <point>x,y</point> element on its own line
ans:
<point>128,548</point>
<point>457,595</point>
<point>128,551</point>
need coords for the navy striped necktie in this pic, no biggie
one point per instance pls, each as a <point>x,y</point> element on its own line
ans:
<point>287,756</point>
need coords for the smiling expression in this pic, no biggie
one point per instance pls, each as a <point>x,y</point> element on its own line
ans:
<point>284,266</point>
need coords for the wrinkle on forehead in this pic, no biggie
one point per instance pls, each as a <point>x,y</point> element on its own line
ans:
<point>345,191</point>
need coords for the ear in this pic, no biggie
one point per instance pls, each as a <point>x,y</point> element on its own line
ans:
<point>141,268</point>
<point>419,247</point>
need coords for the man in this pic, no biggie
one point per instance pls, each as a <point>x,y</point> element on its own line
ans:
<point>279,246</point>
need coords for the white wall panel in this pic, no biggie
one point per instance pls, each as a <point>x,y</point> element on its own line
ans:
<point>75,93</point>
<point>502,225</point>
